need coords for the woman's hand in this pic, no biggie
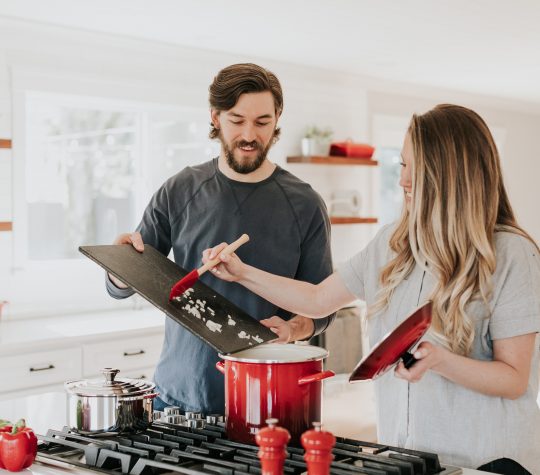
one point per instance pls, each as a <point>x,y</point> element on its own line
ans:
<point>428,356</point>
<point>230,268</point>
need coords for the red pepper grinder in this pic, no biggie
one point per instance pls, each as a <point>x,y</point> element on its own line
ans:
<point>318,446</point>
<point>272,441</point>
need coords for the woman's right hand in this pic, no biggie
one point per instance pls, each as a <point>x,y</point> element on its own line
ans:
<point>230,268</point>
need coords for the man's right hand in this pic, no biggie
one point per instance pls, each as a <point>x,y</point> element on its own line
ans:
<point>136,241</point>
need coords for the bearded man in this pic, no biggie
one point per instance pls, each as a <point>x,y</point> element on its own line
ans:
<point>240,191</point>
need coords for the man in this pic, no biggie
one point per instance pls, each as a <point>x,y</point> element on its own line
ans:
<point>239,192</point>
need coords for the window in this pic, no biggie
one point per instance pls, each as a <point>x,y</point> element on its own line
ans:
<point>83,174</point>
<point>87,167</point>
<point>390,194</point>
<point>388,134</point>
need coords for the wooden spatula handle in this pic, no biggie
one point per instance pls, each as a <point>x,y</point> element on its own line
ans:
<point>233,246</point>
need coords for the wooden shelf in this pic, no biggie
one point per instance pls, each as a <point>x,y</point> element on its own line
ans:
<point>6,226</point>
<point>5,143</point>
<point>331,160</point>
<point>352,220</point>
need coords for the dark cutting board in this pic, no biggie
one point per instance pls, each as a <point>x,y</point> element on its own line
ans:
<point>228,329</point>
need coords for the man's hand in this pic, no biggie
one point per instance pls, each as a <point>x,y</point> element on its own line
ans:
<point>136,241</point>
<point>297,328</point>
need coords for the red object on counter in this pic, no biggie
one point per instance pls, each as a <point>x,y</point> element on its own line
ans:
<point>18,448</point>
<point>318,445</point>
<point>351,150</point>
<point>273,381</point>
<point>272,441</point>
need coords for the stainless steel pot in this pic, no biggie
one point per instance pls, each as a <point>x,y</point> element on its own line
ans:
<point>109,404</point>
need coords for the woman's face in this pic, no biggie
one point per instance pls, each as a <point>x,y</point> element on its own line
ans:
<point>405,179</point>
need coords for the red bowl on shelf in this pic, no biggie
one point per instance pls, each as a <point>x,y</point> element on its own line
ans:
<point>351,150</point>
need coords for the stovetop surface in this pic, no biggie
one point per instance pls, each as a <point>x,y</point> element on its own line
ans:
<point>169,448</point>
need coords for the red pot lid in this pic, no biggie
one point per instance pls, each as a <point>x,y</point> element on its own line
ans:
<point>393,346</point>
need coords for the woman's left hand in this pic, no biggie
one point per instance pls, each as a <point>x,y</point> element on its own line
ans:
<point>428,356</point>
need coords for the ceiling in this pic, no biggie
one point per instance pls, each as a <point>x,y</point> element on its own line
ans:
<point>489,47</point>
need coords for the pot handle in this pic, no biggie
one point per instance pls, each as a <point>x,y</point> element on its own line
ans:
<point>220,366</point>
<point>316,377</point>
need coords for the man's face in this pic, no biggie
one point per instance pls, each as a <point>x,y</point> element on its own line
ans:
<point>246,131</point>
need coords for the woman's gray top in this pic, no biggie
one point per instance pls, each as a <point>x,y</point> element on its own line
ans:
<point>464,427</point>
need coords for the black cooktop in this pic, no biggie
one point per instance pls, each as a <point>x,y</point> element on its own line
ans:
<point>169,448</point>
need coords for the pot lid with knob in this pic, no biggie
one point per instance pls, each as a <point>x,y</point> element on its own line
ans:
<point>109,386</point>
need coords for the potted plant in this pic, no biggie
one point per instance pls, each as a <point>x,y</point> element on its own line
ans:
<point>316,141</point>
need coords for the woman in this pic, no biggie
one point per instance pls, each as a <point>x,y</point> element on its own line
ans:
<point>457,243</point>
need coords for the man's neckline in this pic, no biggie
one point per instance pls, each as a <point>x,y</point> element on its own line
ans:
<point>276,170</point>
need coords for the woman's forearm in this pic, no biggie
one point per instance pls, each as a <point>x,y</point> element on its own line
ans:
<point>492,378</point>
<point>314,301</point>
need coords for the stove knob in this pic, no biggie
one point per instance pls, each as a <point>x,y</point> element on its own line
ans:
<point>195,423</point>
<point>157,415</point>
<point>214,419</point>
<point>172,410</point>
<point>193,415</point>
<point>318,446</point>
<point>175,419</point>
<point>272,441</point>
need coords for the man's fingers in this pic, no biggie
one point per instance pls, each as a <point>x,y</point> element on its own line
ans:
<point>136,240</point>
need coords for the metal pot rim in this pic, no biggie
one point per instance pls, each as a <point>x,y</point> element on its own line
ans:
<point>145,394</point>
<point>275,353</point>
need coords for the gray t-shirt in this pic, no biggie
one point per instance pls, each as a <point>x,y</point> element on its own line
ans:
<point>465,427</point>
<point>200,207</point>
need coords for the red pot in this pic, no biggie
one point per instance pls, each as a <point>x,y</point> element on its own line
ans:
<point>273,381</point>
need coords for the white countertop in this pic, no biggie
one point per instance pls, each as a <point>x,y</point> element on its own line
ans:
<point>37,333</point>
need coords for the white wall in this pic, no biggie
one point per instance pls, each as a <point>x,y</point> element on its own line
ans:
<point>112,66</point>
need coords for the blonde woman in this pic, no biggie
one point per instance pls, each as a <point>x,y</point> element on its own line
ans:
<point>458,244</point>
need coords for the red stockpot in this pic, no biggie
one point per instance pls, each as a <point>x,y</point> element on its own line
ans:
<point>273,381</point>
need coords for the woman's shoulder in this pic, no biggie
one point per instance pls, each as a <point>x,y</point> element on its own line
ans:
<point>516,253</point>
<point>513,245</point>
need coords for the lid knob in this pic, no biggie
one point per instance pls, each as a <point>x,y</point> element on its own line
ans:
<point>318,446</point>
<point>272,441</point>
<point>109,374</point>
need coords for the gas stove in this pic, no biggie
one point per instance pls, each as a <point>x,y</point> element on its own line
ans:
<point>166,448</point>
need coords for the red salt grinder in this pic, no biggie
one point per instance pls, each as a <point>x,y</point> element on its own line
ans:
<point>272,441</point>
<point>318,446</point>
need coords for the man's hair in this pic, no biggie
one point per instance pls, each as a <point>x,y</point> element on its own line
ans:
<point>237,79</point>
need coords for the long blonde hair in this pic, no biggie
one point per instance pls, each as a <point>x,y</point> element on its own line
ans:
<point>459,202</point>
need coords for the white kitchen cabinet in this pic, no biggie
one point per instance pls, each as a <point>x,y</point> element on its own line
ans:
<point>126,355</point>
<point>72,347</point>
<point>39,369</point>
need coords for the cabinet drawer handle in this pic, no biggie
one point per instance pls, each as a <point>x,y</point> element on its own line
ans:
<point>134,353</point>
<point>44,368</point>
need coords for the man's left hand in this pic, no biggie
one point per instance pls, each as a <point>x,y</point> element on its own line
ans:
<point>297,328</point>
<point>280,327</point>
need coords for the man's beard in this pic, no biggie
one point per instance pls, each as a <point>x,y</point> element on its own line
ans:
<point>245,167</point>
